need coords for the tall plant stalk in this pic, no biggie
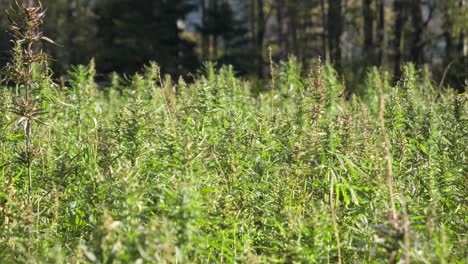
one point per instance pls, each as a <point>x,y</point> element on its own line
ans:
<point>388,154</point>
<point>26,69</point>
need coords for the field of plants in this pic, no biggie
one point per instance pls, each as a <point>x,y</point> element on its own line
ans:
<point>151,170</point>
<point>146,169</point>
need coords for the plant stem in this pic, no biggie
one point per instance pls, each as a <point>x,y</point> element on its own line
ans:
<point>333,214</point>
<point>387,151</point>
<point>29,158</point>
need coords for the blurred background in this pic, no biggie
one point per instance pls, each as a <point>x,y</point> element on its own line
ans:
<point>180,35</point>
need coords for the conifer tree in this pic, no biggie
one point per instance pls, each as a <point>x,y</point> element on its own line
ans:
<point>133,32</point>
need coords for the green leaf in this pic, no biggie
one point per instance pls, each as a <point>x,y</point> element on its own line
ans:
<point>15,137</point>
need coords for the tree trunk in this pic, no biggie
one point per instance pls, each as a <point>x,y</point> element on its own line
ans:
<point>462,49</point>
<point>205,49</point>
<point>325,51</point>
<point>335,29</point>
<point>71,33</point>
<point>398,7</point>
<point>214,6</point>
<point>253,29</point>
<point>380,33</point>
<point>368,31</point>
<point>307,27</point>
<point>253,21</point>
<point>260,36</point>
<point>292,28</point>
<point>416,49</point>
<point>282,35</point>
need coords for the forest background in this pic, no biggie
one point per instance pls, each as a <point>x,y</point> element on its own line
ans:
<point>180,35</point>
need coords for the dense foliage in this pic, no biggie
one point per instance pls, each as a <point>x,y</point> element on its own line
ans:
<point>152,170</point>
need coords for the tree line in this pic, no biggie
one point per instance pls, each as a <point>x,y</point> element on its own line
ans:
<point>123,35</point>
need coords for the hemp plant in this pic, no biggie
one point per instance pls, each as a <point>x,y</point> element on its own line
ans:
<point>27,70</point>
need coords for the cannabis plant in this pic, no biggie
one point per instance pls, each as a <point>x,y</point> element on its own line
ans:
<point>27,71</point>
